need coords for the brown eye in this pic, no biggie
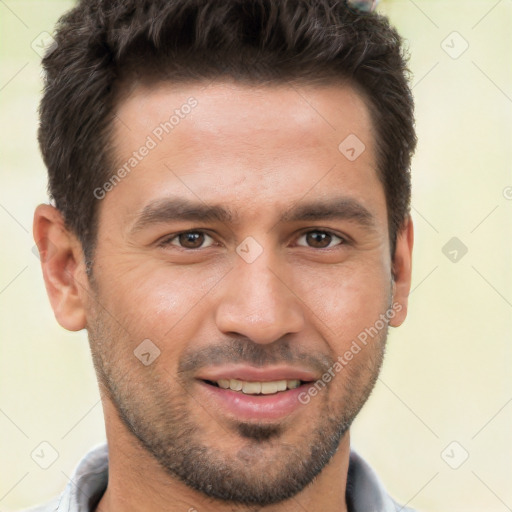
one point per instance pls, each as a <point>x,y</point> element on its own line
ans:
<point>188,240</point>
<point>191,240</point>
<point>320,239</point>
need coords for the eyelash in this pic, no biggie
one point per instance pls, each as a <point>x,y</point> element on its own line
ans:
<point>167,240</point>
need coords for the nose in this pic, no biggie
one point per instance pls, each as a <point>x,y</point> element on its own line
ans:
<point>257,302</point>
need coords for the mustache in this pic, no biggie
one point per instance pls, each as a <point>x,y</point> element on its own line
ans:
<point>244,351</point>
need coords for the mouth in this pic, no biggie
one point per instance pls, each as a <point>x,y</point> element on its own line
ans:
<point>248,387</point>
<point>244,392</point>
<point>251,394</point>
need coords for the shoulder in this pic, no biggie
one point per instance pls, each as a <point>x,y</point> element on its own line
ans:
<point>365,491</point>
<point>87,483</point>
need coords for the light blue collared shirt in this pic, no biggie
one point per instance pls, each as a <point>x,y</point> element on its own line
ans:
<point>365,492</point>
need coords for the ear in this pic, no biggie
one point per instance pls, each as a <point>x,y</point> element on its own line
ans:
<point>63,267</point>
<point>402,269</point>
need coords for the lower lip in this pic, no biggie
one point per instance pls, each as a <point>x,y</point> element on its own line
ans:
<point>254,407</point>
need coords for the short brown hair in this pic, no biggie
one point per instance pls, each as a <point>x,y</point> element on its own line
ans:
<point>101,44</point>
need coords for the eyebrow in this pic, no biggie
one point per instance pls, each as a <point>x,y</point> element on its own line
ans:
<point>180,209</point>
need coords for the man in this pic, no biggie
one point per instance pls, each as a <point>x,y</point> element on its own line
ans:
<point>231,225</point>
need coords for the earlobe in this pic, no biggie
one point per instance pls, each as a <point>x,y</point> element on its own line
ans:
<point>402,270</point>
<point>63,267</point>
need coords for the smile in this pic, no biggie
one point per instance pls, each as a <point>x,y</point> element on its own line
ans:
<point>257,387</point>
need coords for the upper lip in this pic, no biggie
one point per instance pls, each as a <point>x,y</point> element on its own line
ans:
<point>252,373</point>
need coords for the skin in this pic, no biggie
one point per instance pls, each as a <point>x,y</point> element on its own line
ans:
<point>259,151</point>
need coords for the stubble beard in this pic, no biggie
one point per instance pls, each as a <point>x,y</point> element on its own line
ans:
<point>268,469</point>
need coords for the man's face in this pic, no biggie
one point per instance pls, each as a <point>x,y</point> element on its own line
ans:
<point>269,292</point>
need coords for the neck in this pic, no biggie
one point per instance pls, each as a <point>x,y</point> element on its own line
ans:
<point>137,483</point>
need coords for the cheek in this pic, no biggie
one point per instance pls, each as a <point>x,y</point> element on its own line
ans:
<point>346,300</point>
<point>157,301</point>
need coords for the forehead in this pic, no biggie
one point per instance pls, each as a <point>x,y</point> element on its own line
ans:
<point>255,147</point>
<point>242,111</point>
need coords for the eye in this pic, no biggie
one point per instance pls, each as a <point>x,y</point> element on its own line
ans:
<point>187,240</point>
<point>320,239</point>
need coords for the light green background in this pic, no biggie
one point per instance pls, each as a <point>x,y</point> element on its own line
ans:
<point>447,375</point>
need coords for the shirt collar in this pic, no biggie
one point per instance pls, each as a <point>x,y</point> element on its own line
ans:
<point>365,492</point>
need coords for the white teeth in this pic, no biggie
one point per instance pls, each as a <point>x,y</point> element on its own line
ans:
<point>281,385</point>
<point>235,385</point>
<point>292,384</point>
<point>255,388</point>
<point>251,388</point>
<point>268,388</point>
<point>223,383</point>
